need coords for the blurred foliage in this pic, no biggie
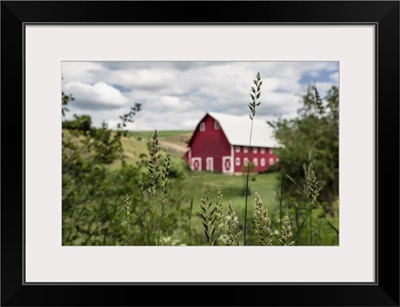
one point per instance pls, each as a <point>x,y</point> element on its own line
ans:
<point>94,195</point>
<point>309,156</point>
<point>316,132</point>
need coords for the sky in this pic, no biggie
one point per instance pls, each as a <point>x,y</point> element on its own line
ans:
<point>176,95</point>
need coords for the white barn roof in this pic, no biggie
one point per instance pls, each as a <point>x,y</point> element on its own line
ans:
<point>237,130</point>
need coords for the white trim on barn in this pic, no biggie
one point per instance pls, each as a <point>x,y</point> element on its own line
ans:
<point>202,126</point>
<point>210,164</point>
<point>193,163</point>
<point>227,165</point>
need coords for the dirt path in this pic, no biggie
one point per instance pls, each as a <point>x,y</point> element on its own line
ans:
<point>173,146</point>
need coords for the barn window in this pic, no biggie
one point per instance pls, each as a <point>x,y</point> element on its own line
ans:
<point>245,161</point>
<point>271,161</point>
<point>245,149</point>
<point>216,125</point>
<point>255,149</point>
<point>237,148</point>
<point>202,126</point>
<point>262,161</point>
<point>255,161</point>
<point>237,161</point>
<point>262,150</point>
<point>270,150</point>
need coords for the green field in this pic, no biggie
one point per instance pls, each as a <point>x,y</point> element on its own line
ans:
<point>162,134</point>
<point>178,137</point>
<point>232,187</point>
<point>135,145</point>
<point>193,183</point>
<point>104,208</point>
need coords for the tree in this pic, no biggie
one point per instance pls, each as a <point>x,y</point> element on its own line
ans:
<point>315,130</point>
<point>90,190</point>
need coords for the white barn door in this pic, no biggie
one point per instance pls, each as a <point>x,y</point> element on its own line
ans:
<point>196,164</point>
<point>227,165</point>
<point>210,164</point>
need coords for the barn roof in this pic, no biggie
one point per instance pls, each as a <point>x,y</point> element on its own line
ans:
<point>237,130</point>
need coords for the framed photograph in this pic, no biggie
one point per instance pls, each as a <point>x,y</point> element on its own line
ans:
<point>242,153</point>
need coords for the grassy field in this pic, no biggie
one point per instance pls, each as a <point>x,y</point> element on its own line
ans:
<point>178,137</point>
<point>162,134</point>
<point>187,190</point>
<point>232,187</point>
<point>135,147</point>
<point>136,144</point>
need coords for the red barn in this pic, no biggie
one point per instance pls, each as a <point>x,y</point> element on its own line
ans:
<point>220,143</point>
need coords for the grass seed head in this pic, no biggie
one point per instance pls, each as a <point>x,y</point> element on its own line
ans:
<point>263,222</point>
<point>286,232</point>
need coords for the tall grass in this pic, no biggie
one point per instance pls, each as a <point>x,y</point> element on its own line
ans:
<point>255,95</point>
<point>127,208</point>
<point>208,216</point>
<point>309,193</point>
<point>263,223</point>
<point>231,227</point>
<point>286,231</point>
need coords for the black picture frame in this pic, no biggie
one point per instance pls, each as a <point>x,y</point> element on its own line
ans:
<point>383,14</point>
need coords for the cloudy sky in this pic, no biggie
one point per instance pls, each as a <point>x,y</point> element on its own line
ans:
<point>175,95</point>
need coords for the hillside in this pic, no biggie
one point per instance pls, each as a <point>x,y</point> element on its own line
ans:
<point>135,144</point>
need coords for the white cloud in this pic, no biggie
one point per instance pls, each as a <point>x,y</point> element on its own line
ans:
<point>169,120</point>
<point>81,71</point>
<point>175,95</point>
<point>142,78</point>
<point>172,103</point>
<point>96,96</point>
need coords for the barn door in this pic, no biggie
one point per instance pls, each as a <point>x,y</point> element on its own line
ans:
<point>210,164</point>
<point>227,166</point>
<point>196,164</point>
